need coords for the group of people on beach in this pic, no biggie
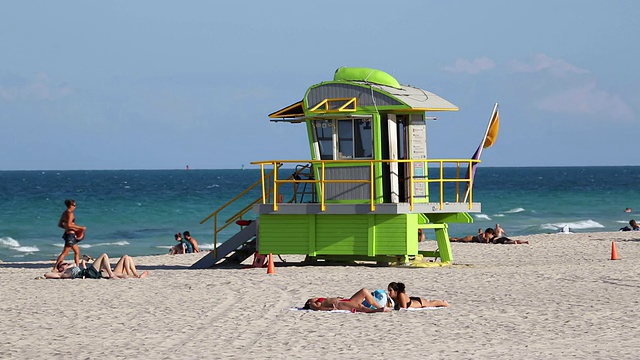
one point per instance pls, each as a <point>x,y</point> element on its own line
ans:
<point>489,236</point>
<point>187,244</point>
<point>99,268</point>
<point>379,301</point>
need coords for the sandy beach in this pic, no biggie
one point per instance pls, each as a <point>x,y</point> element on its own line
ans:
<point>559,297</point>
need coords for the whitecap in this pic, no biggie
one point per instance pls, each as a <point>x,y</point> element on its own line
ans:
<point>117,243</point>
<point>27,249</point>
<point>482,217</point>
<point>513,211</point>
<point>207,246</point>
<point>576,225</point>
<point>9,242</point>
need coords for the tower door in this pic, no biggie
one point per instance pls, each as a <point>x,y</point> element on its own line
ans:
<point>416,149</point>
<point>394,153</point>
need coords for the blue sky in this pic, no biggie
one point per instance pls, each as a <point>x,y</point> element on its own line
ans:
<point>162,84</point>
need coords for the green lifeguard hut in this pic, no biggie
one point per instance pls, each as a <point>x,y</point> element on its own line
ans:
<point>369,187</point>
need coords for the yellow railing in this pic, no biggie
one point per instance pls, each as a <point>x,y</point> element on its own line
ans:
<point>271,184</point>
<point>266,191</point>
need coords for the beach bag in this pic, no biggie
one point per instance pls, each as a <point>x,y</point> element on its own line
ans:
<point>92,273</point>
<point>381,298</point>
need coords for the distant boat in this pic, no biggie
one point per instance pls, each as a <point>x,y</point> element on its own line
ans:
<point>187,167</point>
<point>242,166</point>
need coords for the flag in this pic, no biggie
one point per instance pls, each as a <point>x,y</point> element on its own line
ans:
<point>490,137</point>
<point>492,132</point>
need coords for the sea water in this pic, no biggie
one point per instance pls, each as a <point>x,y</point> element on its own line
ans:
<point>136,212</point>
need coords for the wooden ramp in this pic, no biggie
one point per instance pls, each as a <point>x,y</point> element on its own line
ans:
<point>237,249</point>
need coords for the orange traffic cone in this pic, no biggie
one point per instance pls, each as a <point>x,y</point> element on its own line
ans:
<point>271,269</point>
<point>614,252</point>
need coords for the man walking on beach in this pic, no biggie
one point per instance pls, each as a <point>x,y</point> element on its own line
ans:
<point>72,234</point>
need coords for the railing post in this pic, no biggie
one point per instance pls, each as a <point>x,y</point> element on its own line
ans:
<point>215,236</point>
<point>322,186</point>
<point>275,186</point>
<point>264,198</point>
<point>411,185</point>
<point>441,184</point>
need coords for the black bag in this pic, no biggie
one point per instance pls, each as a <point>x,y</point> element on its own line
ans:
<point>92,273</point>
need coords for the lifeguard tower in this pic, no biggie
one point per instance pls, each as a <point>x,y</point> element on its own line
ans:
<point>369,187</point>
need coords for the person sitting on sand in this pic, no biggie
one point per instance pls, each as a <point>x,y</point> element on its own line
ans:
<point>125,268</point>
<point>191,243</point>
<point>499,231</point>
<point>179,248</point>
<point>353,304</point>
<point>482,237</point>
<point>402,301</point>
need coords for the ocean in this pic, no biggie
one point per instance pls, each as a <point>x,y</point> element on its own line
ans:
<point>136,212</point>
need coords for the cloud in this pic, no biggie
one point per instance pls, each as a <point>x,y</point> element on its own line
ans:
<point>542,62</point>
<point>587,100</point>
<point>470,67</point>
<point>39,88</point>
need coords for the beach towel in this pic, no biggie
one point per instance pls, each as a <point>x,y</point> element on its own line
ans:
<point>349,312</point>
<point>309,310</point>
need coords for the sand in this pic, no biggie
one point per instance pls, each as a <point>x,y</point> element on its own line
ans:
<point>559,297</point>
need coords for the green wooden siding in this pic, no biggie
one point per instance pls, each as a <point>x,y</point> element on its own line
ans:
<point>324,234</point>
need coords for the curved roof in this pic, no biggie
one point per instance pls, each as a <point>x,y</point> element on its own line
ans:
<point>373,88</point>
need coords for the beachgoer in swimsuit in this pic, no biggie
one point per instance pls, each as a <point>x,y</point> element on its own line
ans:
<point>353,304</point>
<point>190,242</point>
<point>402,301</point>
<point>500,237</point>
<point>73,233</point>
<point>180,247</point>
<point>482,237</point>
<point>125,268</point>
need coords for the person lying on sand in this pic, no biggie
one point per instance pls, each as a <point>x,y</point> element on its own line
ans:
<point>353,304</point>
<point>125,268</point>
<point>396,292</point>
<point>489,236</point>
<point>500,237</point>
<point>481,237</point>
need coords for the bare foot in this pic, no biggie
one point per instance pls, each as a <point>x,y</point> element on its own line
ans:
<point>144,274</point>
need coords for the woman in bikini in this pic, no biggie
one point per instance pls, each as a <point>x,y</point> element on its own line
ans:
<point>353,304</point>
<point>403,301</point>
<point>100,268</point>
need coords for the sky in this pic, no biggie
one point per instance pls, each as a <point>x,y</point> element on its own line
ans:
<point>164,84</point>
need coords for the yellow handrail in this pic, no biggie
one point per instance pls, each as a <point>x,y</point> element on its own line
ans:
<point>371,181</point>
<point>237,216</point>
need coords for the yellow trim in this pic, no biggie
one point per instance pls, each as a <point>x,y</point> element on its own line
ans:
<point>434,109</point>
<point>326,105</point>
<point>282,113</point>
<point>440,181</point>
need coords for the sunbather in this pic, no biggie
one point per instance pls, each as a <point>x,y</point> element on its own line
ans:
<point>481,237</point>
<point>402,300</point>
<point>124,268</point>
<point>353,304</point>
<point>500,237</point>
